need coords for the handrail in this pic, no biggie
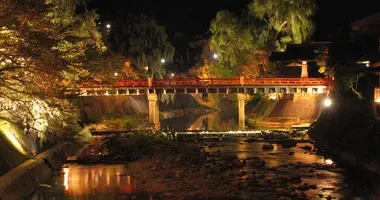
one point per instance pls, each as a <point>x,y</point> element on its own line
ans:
<point>181,82</point>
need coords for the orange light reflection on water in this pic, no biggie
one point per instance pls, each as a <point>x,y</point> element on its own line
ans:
<point>100,180</point>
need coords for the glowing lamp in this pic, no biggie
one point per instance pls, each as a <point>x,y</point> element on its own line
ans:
<point>163,61</point>
<point>172,74</point>
<point>329,162</point>
<point>304,62</point>
<point>327,102</point>
<point>116,74</point>
<point>377,100</point>
<point>215,55</point>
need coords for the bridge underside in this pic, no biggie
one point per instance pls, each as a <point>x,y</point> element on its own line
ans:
<point>199,90</point>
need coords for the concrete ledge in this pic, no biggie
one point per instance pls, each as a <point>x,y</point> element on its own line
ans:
<point>21,181</point>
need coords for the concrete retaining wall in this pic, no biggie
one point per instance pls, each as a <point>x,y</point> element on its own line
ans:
<point>21,181</point>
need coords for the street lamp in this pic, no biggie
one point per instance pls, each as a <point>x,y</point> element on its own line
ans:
<point>172,74</point>
<point>146,68</point>
<point>116,74</point>
<point>215,56</point>
<point>108,26</point>
<point>163,60</point>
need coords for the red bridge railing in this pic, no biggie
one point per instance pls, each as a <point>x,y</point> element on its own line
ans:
<point>182,82</point>
<point>222,82</point>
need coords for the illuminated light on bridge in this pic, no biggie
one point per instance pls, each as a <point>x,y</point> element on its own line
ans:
<point>377,95</point>
<point>327,102</point>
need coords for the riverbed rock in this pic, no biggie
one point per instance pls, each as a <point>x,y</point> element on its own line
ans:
<point>268,147</point>
<point>307,147</point>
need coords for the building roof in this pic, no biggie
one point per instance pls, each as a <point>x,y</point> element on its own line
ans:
<point>294,52</point>
<point>369,25</point>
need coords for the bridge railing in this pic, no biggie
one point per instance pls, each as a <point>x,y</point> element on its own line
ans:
<point>224,81</point>
<point>180,82</point>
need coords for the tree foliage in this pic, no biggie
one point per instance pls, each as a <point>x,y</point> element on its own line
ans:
<point>265,26</point>
<point>43,51</point>
<point>231,39</point>
<point>287,21</point>
<point>144,42</point>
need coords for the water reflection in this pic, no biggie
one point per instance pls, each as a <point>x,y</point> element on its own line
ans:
<point>93,182</point>
<point>96,181</point>
<point>216,121</point>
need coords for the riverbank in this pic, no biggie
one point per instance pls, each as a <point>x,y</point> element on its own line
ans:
<point>350,132</point>
<point>205,169</point>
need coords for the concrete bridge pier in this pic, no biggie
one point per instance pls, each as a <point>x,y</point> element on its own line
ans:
<point>241,104</point>
<point>154,112</point>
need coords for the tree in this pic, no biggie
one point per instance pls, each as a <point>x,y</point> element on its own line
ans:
<point>143,42</point>
<point>283,22</point>
<point>232,42</point>
<point>43,51</point>
<point>266,26</point>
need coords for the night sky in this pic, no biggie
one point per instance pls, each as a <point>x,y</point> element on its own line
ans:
<point>191,18</point>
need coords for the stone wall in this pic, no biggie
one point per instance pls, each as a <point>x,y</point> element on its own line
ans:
<point>22,180</point>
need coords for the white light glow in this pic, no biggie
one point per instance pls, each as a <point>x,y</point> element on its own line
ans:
<point>163,61</point>
<point>304,62</point>
<point>327,102</point>
<point>215,55</point>
<point>108,26</point>
<point>329,162</point>
<point>66,178</point>
<point>116,74</point>
<point>377,100</point>
<point>10,136</point>
<point>172,74</point>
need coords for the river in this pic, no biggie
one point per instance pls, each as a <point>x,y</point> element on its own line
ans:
<point>95,180</point>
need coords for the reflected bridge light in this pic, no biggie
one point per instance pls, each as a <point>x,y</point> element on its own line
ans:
<point>327,102</point>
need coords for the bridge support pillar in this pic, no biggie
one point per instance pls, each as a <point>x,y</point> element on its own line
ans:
<point>241,104</point>
<point>154,112</point>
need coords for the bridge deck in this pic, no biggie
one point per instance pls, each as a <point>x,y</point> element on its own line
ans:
<point>210,85</point>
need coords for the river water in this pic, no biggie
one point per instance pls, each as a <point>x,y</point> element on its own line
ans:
<point>94,180</point>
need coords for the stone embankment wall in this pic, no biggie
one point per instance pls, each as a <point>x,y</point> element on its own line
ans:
<point>22,180</point>
<point>286,110</point>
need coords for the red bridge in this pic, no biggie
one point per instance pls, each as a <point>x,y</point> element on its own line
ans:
<point>241,86</point>
<point>207,85</point>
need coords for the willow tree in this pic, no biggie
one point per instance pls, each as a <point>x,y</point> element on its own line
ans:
<point>283,22</point>
<point>43,50</point>
<point>232,42</point>
<point>143,42</point>
<point>245,42</point>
